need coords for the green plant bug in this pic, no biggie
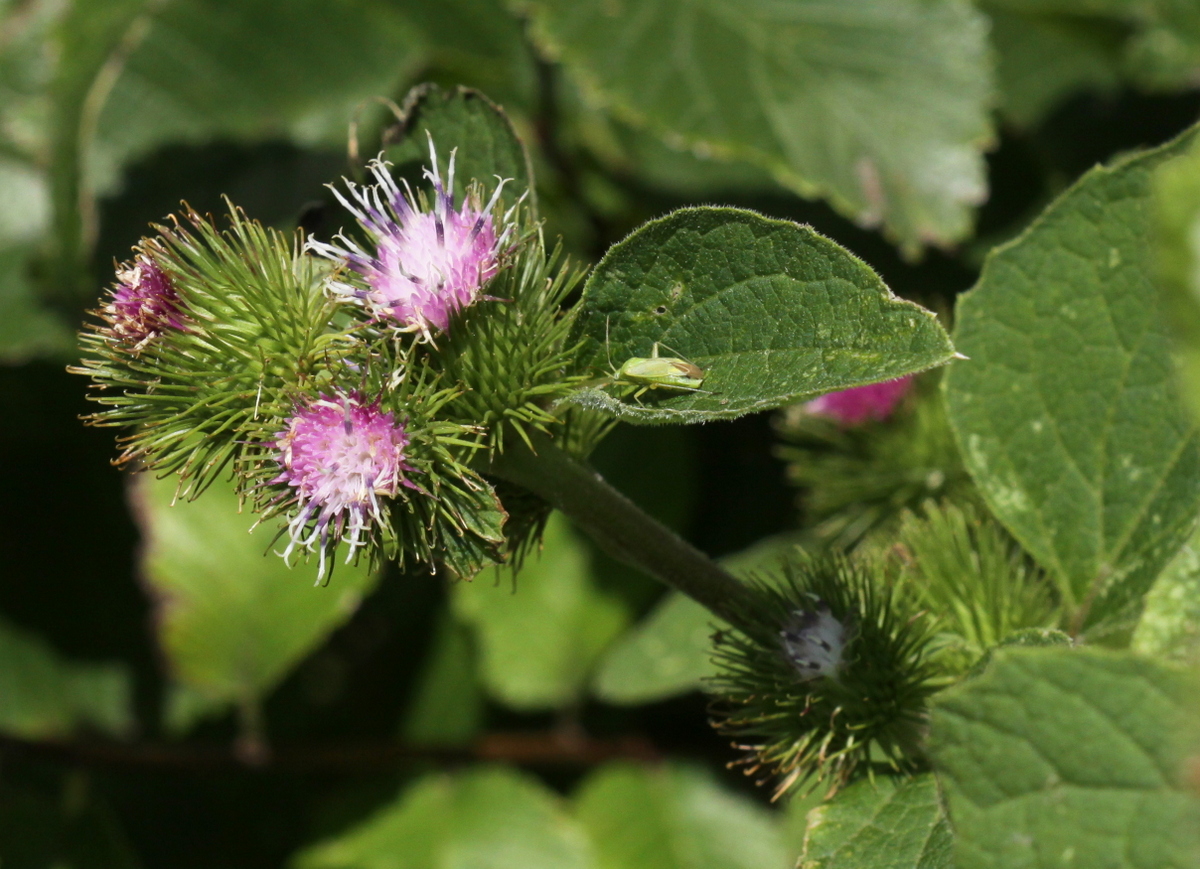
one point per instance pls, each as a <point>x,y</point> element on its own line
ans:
<point>659,372</point>
<point>654,372</point>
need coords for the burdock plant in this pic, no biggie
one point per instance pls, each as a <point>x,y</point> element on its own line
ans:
<point>426,385</point>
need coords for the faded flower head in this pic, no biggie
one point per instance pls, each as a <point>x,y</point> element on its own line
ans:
<point>427,264</point>
<point>144,304</point>
<point>826,671</point>
<point>339,455</point>
<point>852,407</point>
<point>814,641</point>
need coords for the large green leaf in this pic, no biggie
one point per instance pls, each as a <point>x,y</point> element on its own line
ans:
<point>1068,757</point>
<point>1067,412</point>
<point>44,696</point>
<point>540,635</point>
<point>675,817</point>
<point>90,44</point>
<point>483,819</point>
<point>480,42</point>
<point>447,705</point>
<point>883,823</point>
<point>466,120</point>
<point>878,105</point>
<point>665,654</point>
<point>771,311</point>
<point>231,616</point>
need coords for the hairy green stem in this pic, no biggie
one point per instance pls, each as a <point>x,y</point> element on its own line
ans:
<point>619,526</point>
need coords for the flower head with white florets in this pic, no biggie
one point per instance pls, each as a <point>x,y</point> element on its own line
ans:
<point>427,263</point>
<point>339,455</point>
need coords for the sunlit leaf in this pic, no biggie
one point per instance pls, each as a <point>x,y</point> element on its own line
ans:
<point>488,818</point>
<point>880,822</point>
<point>675,817</point>
<point>1066,411</point>
<point>539,636</point>
<point>232,618</point>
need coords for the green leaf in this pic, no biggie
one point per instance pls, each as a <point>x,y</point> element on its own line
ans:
<point>1068,757</point>
<point>90,43</point>
<point>771,311</point>
<point>675,817</point>
<point>484,819</point>
<point>480,42</point>
<point>665,654</point>
<point>45,696</point>
<point>885,823</point>
<point>1170,624</point>
<point>482,543</point>
<point>447,704</point>
<point>669,652</point>
<point>465,119</point>
<point>539,640</point>
<point>24,203</point>
<point>27,329</point>
<point>1161,47</point>
<point>231,616</point>
<point>204,69</point>
<point>1066,412</point>
<point>878,105</point>
<point>133,75</point>
<point>1043,59</point>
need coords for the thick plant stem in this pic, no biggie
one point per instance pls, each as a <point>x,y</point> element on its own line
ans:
<point>619,526</point>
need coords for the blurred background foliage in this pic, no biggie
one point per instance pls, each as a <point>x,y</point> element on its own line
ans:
<point>169,698</point>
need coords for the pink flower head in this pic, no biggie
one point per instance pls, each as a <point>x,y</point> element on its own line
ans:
<point>339,455</point>
<point>143,305</point>
<point>853,407</point>
<point>426,264</point>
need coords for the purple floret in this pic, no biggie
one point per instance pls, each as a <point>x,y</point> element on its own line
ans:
<point>144,304</point>
<point>852,407</point>
<point>339,455</point>
<point>426,265</point>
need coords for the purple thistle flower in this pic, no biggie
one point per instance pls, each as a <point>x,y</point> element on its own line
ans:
<point>339,454</point>
<point>427,265</point>
<point>853,407</point>
<point>143,305</point>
